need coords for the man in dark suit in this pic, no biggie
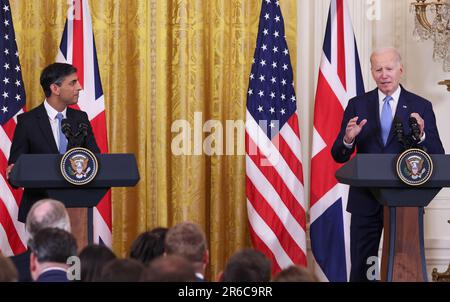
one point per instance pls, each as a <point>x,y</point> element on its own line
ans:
<point>46,213</point>
<point>39,130</point>
<point>51,249</point>
<point>366,128</point>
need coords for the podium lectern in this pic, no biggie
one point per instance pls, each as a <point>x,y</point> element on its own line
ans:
<point>42,172</point>
<point>403,242</point>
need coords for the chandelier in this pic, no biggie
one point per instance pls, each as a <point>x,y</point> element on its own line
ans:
<point>433,22</point>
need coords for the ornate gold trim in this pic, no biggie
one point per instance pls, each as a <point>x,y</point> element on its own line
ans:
<point>441,277</point>
<point>446,83</point>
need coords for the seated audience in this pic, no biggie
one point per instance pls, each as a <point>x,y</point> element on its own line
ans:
<point>93,258</point>
<point>189,241</point>
<point>169,268</point>
<point>247,265</point>
<point>46,213</point>
<point>148,245</point>
<point>122,270</point>
<point>8,272</point>
<point>295,273</point>
<point>50,250</point>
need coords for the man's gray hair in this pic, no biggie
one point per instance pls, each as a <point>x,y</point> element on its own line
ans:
<point>47,213</point>
<point>387,49</point>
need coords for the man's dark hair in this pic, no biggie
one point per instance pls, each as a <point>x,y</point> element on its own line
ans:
<point>55,74</point>
<point>295,273</point>
<point>53,245</point>
<point>170,268</point>
<point>247,265</point>
<point>93,258</point>
<point>148,245</point>
<point>122,270</point>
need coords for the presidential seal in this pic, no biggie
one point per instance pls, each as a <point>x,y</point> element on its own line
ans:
<point>79,166</point>
<point>414,167</point>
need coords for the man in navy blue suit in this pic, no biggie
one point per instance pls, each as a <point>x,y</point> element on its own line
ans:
<point>50,250</point>
<point>366,128</point>
<point>38,131</point>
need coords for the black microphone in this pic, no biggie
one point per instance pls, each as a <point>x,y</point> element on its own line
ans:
<point>415,130</point>
<point>399,132</point>
<point>83,129</point>
<point>66,128</point>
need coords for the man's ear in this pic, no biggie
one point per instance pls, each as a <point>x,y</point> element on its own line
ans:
<point>33,266</point>
<point>54,88</point>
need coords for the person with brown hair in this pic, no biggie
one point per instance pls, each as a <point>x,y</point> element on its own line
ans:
<point>188,240</point>
<point>295,273</point>
<point>8,272</point>
<point>93,258</point>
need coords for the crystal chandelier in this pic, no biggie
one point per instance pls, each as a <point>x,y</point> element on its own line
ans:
<point>433,22</point>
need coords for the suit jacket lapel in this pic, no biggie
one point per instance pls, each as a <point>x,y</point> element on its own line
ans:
<point>46,129</point>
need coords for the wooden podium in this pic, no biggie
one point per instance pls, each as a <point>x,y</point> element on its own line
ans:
<point>403,243</point>
<point>42,172</point>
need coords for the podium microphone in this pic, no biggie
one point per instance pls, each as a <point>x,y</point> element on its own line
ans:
<point>82,129</point>
<point>415,130</point>
<point>399,132</point>
<point>66,128</point>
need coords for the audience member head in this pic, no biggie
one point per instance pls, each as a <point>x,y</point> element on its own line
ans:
<point>247,265</point>
<point>295,273</point>
<point>148,245</point>
<point>169,268</point>
<point>122,270</point>
<point>8,271</point>
<point>47,213</point>
<point>189,241</point>
<point>93,258</point>
<point>51,247</point>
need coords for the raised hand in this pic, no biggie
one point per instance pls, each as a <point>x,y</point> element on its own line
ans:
<point>353,129</point>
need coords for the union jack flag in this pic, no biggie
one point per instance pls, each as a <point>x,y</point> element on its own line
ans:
<point>340,80</point>
<point>13,238</point>
<point>275,197</point>
<point>78,48</point>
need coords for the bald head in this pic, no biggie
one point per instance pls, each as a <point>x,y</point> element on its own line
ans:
<point>47,213</point>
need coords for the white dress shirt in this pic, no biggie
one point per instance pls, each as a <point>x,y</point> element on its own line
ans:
<point>51,112</point>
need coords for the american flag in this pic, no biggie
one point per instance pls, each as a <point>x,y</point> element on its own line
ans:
<point>340,79</point>
<point>275,197</point>
<point>78,48</point>
<point>13,238</point>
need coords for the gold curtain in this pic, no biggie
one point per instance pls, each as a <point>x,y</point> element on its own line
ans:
<point>160,62</point>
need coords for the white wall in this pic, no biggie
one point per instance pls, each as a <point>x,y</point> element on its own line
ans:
<point>394,27</point>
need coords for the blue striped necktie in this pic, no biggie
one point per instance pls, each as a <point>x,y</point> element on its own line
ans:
<point>62,138</point>
<point>386,119</point>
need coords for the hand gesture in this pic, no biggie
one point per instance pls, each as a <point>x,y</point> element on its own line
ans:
<point>353,129</point>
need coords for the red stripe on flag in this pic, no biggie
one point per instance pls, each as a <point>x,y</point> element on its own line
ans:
<point>99,128</point>
<point>270,217</point>
<point>328,111</point>
<point>262,247</point>
<point>290,158</point>
<point>278,183</point>
<point>13,238</point>
<point>104,208</point>
<point>341,42</point>
<point>9,128</point>
<point>17,193</point>
<point>78,42</point>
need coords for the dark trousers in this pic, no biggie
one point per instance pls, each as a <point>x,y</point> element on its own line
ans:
<point>365,234</point>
